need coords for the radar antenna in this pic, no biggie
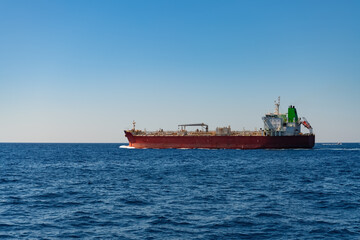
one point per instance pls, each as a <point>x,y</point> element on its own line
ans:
<point>277,105</point>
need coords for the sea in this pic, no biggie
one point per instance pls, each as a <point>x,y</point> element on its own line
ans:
<point>109,191</point>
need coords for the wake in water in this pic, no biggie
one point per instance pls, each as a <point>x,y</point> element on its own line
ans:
<point>127,147</point>
<point>338,149</point>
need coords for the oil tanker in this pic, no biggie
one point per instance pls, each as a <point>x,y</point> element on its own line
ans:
<point>280,130</point>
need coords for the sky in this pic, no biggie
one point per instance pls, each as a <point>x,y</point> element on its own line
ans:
<point>82,71</point>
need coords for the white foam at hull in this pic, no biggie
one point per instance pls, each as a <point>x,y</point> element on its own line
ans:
<point>127,147</point>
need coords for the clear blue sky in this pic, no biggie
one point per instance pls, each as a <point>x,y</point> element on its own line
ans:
<point>82,71</point>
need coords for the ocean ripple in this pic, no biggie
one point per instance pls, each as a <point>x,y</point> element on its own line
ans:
<point>101,191</point>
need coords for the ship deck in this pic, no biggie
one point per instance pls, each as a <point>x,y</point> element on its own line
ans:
<point>196,133</point>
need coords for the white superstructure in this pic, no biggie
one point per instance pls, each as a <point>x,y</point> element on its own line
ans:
<point>278,124</point>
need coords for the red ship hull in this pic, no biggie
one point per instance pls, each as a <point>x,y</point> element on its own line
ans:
<point>221,142</point>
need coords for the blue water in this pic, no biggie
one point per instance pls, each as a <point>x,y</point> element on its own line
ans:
<point>101,191</point>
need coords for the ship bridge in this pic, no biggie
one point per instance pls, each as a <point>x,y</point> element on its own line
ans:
<point>278,124</point>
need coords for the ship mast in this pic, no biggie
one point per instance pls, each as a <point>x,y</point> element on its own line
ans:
<point>277,105</point>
